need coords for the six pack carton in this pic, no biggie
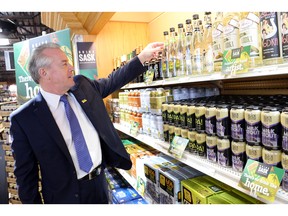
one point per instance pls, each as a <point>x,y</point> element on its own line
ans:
<point>197,190</point>
<point>170,182</point>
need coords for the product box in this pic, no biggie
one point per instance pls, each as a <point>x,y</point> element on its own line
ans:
<point>137,201</point>
<point>169,186</point>
<point>226,198</point>
<point>197,190</point>
<point>123,195</point>
<point>151,171</point>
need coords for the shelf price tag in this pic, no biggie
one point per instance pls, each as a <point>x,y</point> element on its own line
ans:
<point>261,180</point>
<point>178,146</point>
<point>235,61</point>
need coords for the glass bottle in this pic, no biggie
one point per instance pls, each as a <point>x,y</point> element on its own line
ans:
<point>180,58</point>
<point>188,47</point>
<point>208,46</point>
<point>217,37</point>
<point>271,38</point>
<point>172,52</point>
<point>231,30</point>
<point>197,51</point>
<point>249,27</point>
<point>165,56</point>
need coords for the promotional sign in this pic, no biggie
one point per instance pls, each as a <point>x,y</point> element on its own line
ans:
<point>85,56</point>
<point>26,87</point>
<point>178,146</point>
<point>236,60</point>
<point>261,180</point>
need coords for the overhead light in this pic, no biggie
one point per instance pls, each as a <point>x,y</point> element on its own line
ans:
<point>4,41</point>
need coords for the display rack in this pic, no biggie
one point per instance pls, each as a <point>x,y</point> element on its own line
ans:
<point>223,174</point>
<point>265,71</point>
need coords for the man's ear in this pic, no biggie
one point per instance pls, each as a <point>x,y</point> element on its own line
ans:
<point>42,72</point>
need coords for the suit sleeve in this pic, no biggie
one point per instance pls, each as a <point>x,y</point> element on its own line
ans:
<point>120,77</point>
<point>26,166</point>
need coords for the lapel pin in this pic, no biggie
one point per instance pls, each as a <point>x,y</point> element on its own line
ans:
<point>84,101</point>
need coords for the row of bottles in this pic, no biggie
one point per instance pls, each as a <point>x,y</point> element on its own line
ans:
<point>199,49</point>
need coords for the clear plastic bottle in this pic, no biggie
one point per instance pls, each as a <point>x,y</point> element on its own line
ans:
<point>197,51</point>
<point>208,45</point>
<point>180,57</point>
<point>231,30</point>
<point>165,56</point>
<point>217,37</point>
<point>172,52</point>
<point>249,27</point>
<point>271,38</point>
<point>188,47</point>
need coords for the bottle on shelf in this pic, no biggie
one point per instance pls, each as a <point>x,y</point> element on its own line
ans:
<point>271,38</point>
<point>208,45</point>
<point>165,56</point>
<point>217,37</point>
<point>180,57</point>
<point>231,30</point>
<point>172,52</point>
<point>188,47</point>
<point>284,34</point>
<point>249,28</point>
<point>197,49</point>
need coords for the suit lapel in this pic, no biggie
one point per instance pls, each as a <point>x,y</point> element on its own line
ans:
<point>43,112</point>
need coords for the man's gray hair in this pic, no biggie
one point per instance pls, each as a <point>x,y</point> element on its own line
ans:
<point>39,60</point>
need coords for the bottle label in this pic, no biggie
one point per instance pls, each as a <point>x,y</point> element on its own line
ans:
<point>284,33</point>
<point>249,31</point>
<point>231,34</point>
<point>270,35</point>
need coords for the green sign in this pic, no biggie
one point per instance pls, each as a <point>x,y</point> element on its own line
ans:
<point>26,87</point>
<point>236,60</point>
<point>178,146</point>
<point>261,180</point>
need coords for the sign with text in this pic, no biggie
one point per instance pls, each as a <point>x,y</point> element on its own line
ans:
<point>86,56</point>
<point>261,180</point>
<point>236,60</point>
<point>26,87</point>
<point>178,146</point>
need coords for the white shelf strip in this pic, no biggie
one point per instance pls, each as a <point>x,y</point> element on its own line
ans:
<point>273,70</point>
<point>223,174</point>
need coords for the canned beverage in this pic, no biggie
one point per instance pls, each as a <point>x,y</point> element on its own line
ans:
<point>271,156</point>
<point>201,144</point>
<point>254,152</point>
<point>192,146</point>
<point>271,127</point>
<point>237,122</point>
<point>239,158</point>
<point>223,122</point>
<point>253,125</point>
<point>284,162</point>
<point>210,119</point>
<point>211,148</point>
<point>224,152</point>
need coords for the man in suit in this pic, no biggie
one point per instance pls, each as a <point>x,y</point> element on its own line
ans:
<point>42,143</point>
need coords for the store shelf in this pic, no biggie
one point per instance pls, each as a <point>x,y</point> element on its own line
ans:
<point>265,71</point>
<point>223,174</point>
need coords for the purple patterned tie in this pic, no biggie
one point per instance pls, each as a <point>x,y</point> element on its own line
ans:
<point>82,152</point>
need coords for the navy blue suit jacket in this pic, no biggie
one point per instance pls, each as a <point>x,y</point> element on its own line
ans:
<point>38,142</point>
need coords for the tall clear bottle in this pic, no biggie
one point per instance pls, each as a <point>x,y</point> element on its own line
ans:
<point>250,35</point>
<point>218,43</point>
<point>165,56</point>
<point>189,47</point>
<point>180,58</point>
<point>197,51</point>
<point>208,45</point>
<point>231,30</point>
<point>271,38</point>
<point>172,52</point>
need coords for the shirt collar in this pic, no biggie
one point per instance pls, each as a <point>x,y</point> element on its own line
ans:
<point>51,99</point>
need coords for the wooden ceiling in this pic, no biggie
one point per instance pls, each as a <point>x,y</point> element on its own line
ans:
<point>78,22</point>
